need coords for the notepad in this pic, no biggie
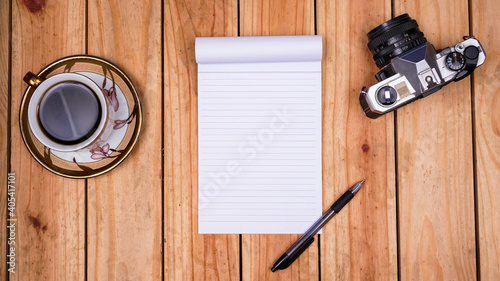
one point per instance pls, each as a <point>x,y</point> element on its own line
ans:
<point>259,134</point>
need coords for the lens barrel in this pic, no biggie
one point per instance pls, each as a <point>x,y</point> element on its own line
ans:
<point>393,38</point>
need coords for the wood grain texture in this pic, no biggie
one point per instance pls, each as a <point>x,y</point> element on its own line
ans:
<point>360,242</point>
<point>260,252</point>
<point>4,129</point>
<point>272,18</point>
<point>188,255</point>
<point>125,205</point>
<point>435,162</point>
<point>434,145</point>
<point>487,125</point>
<point>50,209</point>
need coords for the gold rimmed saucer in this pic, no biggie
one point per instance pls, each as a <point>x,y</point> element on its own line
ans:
<point>102,156</point>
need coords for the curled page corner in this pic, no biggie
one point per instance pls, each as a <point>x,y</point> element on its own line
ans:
<point>258,49</point>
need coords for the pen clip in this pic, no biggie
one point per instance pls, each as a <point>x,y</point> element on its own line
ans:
<point>297,254</point>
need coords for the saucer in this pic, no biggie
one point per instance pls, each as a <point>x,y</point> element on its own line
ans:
<point>102,156</point>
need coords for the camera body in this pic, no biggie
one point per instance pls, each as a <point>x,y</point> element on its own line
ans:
<point>411,68</point>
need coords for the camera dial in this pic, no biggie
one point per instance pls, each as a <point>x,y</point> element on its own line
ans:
<point>387,95</point>
<point>455,61</point>
<point>471,52</point>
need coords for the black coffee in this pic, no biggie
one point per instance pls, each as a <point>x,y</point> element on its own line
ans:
<point>69,112</point>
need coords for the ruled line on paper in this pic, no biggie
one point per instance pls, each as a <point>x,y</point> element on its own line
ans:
<point>264,72</point>
<point>256,79</point>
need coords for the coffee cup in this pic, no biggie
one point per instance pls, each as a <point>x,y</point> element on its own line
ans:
<point>68,112</point>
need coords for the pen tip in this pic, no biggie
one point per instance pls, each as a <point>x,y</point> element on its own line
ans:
<point>356,187</point>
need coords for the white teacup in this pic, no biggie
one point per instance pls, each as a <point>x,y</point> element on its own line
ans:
<point>68,111</point>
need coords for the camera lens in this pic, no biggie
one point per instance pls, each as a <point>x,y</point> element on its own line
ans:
<point>393,38</point>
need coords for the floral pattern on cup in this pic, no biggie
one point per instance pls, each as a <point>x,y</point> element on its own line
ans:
<point>111,97</point>
<point>100,150</point>
<point>120,123</point>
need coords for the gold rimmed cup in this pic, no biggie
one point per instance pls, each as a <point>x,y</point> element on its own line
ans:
<point>106,153</point>
<point>68,111</point>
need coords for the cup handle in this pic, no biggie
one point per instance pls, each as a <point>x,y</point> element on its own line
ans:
<point>32,79</point>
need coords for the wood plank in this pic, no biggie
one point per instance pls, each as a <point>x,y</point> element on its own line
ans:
<point>360,242</point>
<point>259,252</point>
<point>50,209</point>
<point>487,126</point>
<point>125,205</point>
<point>435,163</point>
<point>4,130</point>
<point>188,255</point>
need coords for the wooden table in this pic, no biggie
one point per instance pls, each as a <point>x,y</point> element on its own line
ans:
<point>429,210</point>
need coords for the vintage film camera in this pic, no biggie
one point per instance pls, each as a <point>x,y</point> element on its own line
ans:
<point>410,66</point>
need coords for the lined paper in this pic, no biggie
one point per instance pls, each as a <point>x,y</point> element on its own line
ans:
<point>259,134</point>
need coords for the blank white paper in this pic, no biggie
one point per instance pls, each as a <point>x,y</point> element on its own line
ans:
<point>259,134</point>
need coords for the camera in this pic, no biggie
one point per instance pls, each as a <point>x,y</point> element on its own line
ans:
<point>410,67</point>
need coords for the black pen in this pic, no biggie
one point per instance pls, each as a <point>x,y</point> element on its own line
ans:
<point>307,238</point>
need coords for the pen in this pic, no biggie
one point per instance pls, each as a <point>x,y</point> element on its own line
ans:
<point>307,238</point>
